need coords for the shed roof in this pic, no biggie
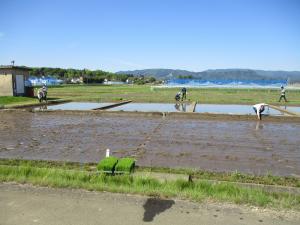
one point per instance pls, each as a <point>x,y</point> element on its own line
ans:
<point>14,67</point>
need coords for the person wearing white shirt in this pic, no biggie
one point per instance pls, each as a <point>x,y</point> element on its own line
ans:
<point>259,108</point>
<point>282,94</point>
<point>42,93</point>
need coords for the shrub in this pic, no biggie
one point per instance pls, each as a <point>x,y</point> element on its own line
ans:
<point>107,164</point>
<point>97,80</point>
<point>125,165</point>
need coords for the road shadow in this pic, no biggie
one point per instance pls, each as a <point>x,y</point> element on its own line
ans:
<point>154,206</point>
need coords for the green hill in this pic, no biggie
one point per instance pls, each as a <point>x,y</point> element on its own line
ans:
<point>228,74</point>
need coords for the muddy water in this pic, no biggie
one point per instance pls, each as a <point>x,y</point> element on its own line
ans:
<point>246,146</point>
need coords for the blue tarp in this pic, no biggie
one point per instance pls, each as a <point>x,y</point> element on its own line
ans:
<point>38,81</point>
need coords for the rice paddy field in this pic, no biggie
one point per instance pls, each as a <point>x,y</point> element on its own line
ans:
<point>220,148</point>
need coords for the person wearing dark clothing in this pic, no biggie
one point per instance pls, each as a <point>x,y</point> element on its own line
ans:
<point>183,94</point>
<point>282,94</point>
<point>177,96</point>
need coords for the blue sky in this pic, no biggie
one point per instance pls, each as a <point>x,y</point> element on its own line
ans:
<point>124,35</point>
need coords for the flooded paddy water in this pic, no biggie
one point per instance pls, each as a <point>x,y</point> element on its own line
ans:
<point>240,109</point>
<point>74,106</point>
<point>219,145</point>
<point>170,107</point>
<point>152,107</point>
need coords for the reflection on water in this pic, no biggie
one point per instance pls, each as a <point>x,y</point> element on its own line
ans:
<point>259,125</point>
<point>43,107</point>
<point>152,107</point>
<point>75,106</point>
<point>181,107</point>
<point>169,107</point>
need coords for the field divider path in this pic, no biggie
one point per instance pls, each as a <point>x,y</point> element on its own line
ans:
<point>284,110</point>
<point>113,105</point>
<point>140,149</point>
<point>265,187</point>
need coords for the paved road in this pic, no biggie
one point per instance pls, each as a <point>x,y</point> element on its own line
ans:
<point>24,204</point>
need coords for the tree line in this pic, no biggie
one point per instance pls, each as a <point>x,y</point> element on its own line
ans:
<point>89,76</point>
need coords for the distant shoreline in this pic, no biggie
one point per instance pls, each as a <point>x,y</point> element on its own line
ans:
<point>289,87</point>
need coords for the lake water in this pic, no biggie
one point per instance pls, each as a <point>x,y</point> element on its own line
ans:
<point>224,83</point>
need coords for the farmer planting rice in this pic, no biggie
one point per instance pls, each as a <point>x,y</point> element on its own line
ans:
<point>42,93</point>
<point>177,96</point>
<point>259,108</point>
<point>181,94</point>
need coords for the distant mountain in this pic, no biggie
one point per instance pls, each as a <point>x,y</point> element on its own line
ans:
<point>159,73</point>
<point>220,74</point>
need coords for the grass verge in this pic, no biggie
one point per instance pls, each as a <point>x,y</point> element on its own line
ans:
<point>11,100</point>
<point>208,175</point>
<point>197,191</point>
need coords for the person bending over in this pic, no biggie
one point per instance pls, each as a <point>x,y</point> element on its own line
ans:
<point>259,108</point>
<point>177,96</point>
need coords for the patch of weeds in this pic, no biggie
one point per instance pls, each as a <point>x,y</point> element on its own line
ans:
<point>237,176</point>
<point>182,184</point>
